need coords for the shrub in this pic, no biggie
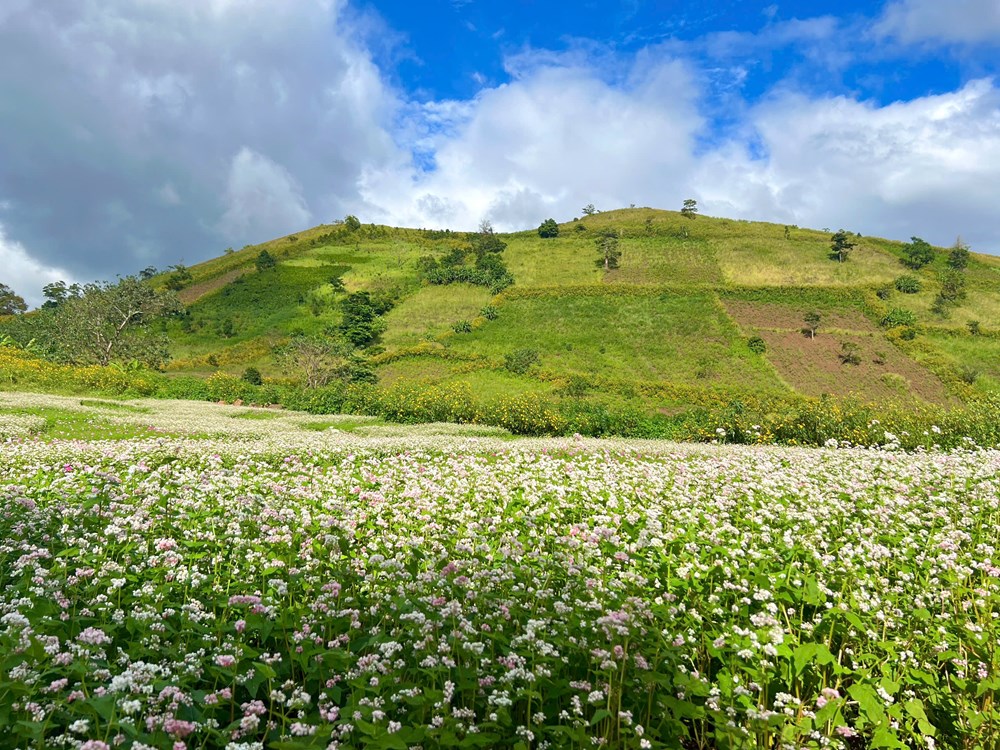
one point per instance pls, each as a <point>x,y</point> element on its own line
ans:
<point>908,284</point>
<point>490,312</point>
<point>898,317</point>
<point>968,375</point>
<point>462,326</point>
<point>757,345</point>
<point>974,327</point>
<point>252,376</point>
<point>548,229</point>
<point>884,291</point>
<point>849,354</point>
<point>520,361</point>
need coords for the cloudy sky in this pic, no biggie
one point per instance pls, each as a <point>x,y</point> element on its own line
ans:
<point>154,132</point>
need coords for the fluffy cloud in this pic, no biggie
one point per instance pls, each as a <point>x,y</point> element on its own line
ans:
<point>557,137</point>
<point>929,167</point>
<point>139,133</point>
<point>964,21</point>
<point>24,274</point>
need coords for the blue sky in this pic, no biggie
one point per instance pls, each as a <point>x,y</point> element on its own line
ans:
<point>164,132</point>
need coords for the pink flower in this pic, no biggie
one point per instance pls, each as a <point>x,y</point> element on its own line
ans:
<point>846,731</point>
<point>94,745</point>
<point>225,660</point>
<point>93,636</point>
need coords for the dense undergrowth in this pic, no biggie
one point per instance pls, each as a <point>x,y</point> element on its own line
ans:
<point>708,416</point>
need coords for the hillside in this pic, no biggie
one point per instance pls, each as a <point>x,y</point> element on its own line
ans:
<point>670,327</point>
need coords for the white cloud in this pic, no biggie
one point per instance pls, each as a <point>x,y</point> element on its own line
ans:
<point>556,138</point>
<point>929,167</point>
<point>964,21</point>
<point>262,198</point>
<point>25,275</point>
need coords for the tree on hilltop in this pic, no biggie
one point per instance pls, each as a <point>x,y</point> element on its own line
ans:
<point>548,228</point>
<point>10,302</point>
<point>958,256</point>
<point>690,208</point>
<point>917,253</point>
<point>589,209</point>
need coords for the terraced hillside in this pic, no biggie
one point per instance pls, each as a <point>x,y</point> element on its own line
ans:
<point>695,308</point>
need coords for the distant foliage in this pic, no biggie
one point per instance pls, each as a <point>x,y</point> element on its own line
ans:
<point>908,284</point>
<point>589,210</point>
<point>490,312</point>
<point>690,208</point>
<point>757,345</point>
<point>849,354</point>
<point>841,246</point>
<point>252,376</point>
<point>548,229</point>
<point>812,320</point>
<point>958,256</point>
<point>265,261</point>
<point>521,360</point>
<point>178,278</point>
<point>608,252</point>
<point>11,303</point>
<point>917,253</point>
<point>361,324</point>
<point>352,223</point>
<point>975,327</point>
<point>462,326</point>
<point>897,317</point>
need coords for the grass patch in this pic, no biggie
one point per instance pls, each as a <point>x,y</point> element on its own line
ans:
<point>115,405</point>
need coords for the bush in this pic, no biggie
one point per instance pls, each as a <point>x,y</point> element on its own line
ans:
<point>757,345</point>
<point>908,284</point>
<point>548,229</point>
<point>462,326</point>
<point>849,354</point>
<point>974,327</point>
<point>520,361</point>
<point>252,376</point>
<point>490,312</point>
<point>897,317</point>
<point>968,375</point>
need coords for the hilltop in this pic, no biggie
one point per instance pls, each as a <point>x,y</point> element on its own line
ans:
<point>697,308</point>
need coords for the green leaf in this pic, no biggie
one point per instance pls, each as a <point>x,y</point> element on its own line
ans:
<point>885,737</point>
<point>868,702</point>
<point>599,716</point>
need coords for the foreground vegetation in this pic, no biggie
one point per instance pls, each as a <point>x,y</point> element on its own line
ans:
<point>287,588</point>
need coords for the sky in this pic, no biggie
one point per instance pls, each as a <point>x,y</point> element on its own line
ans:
<point>164,131</point>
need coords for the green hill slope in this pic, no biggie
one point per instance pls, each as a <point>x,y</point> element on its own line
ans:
<point>670,327</point>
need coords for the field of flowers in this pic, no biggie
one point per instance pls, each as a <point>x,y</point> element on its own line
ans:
<point>286,589</point>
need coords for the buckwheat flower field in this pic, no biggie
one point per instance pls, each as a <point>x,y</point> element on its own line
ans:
<point>280,588</point>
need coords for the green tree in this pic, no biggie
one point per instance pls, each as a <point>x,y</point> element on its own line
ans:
<point>812,320</point>
<point>608,252</point>
<point>690,208</point>
<point>841,246</point>
<point>548,228</point>
<point>352,223</point>
<point>265,261</point>
<point>589,210</point>
<point>104,322</point>
<point>917,253</point>
<point>361,324</point>
<point>958,256</point>
<point>179,277</point>
<point>487,241</point>
<point>315,360</point>
<point>11,303</point>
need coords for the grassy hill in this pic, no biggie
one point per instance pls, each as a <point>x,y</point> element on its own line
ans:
<point>666,329</point>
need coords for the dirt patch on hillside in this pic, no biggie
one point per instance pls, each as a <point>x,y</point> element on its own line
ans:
<point>883,373</point>
<point>814,366</point>
<point>757,315</point>
<point>196,291</point>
